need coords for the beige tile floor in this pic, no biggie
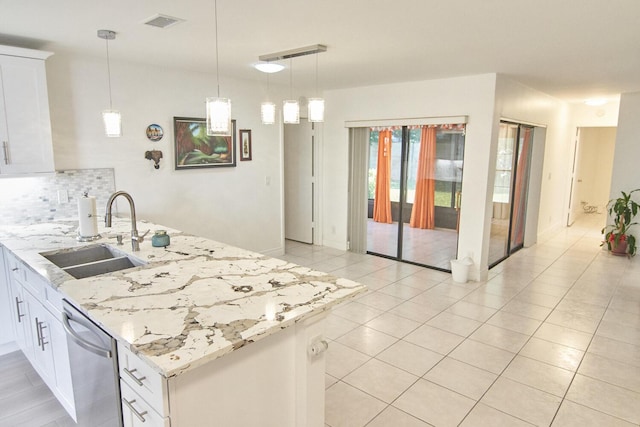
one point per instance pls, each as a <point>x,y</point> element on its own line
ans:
<point>552,338</point>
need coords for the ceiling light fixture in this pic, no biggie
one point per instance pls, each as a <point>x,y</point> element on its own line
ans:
<point>293,53</point>
<point>291,107</point>
<point>315,107</point>
<point>112,119</point>
<point>269,67</point>
<point>218,109</point>
<point>595,102</point>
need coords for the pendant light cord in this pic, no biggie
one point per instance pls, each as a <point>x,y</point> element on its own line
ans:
<point>109,74</point>
<point>291,77</point>
<point>317,74</point>
<point>215,11</point>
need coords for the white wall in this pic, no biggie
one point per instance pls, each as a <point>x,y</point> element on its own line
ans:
<point>232,205</point>
<point>471,96</point>
<point>626,173</point>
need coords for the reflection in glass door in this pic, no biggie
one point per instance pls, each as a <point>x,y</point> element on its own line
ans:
<point>510,190</point>
<point>415,179</point>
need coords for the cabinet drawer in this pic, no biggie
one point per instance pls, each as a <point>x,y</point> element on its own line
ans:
<point>15,268</point>
<point>146,382</point>
<point>137,412</point>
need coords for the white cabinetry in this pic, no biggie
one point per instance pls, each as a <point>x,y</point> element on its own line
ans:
<point>7,331</point>
<point>25,124</point>
<point>38,328</point>
<point>274,382</point>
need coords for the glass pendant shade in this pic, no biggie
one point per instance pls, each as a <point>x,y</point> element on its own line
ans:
<point>291,111</point>
<point>316,110</point>
<point>268,113</point>
<point>112,123</point>
<point>218,116</point>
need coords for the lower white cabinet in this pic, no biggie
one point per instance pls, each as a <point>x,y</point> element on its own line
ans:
<point>7,331</point>
<point>138,412</point>
<point>38,329</point>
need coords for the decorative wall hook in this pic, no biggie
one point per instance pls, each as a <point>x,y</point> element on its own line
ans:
<point>154,155</point>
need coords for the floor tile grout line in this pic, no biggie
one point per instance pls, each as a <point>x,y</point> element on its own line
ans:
<point>585,353</point>
<point>529,339</point>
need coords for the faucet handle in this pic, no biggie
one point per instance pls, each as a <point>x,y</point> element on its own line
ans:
<point>140,239</point>
<point>119,239</point>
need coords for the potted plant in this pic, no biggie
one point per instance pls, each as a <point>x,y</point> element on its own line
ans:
<point>616,235</point>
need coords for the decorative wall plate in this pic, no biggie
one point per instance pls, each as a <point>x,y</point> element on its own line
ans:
<point>154,132</point>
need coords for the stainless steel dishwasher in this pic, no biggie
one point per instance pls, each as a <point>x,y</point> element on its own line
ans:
<point>94,370</point>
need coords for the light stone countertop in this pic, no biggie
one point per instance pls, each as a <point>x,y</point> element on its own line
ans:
<point>196,300</point>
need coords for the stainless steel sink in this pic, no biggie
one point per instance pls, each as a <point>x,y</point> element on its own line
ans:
<point>93,260</point>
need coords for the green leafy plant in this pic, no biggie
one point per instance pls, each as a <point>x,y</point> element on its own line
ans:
<point>622,210</point>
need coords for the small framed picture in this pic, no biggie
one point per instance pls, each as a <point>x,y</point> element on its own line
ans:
<point>245,144</point>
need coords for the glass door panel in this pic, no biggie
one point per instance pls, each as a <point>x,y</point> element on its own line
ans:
<point>425,178</point>
<point>521,188</point>
<point>510,189</point>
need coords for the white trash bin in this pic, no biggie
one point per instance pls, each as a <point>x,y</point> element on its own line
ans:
<point>460,269</point>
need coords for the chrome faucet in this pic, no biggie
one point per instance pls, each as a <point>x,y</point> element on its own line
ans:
<point>135,239</point>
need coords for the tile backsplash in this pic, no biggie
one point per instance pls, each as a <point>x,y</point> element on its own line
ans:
<point>32,199</point>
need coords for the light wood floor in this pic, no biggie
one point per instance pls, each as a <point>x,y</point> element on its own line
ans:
<point>25,400</point>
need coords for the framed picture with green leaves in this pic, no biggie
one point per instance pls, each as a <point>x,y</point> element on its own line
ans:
<point>195,149</point>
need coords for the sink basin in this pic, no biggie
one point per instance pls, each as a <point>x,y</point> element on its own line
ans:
<point>93,260</point>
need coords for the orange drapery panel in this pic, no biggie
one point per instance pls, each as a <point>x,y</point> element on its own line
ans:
<point>518,199</point>
<point>382,200</point>
<point>423,212</point>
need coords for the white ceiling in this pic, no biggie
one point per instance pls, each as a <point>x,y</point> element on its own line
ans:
<point>571,49</point>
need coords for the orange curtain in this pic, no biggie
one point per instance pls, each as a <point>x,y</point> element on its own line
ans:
<point>382,202</point>
<point>423,212</point>
<point>519,198</point>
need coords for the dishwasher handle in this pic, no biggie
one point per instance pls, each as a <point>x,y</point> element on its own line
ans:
<point>80,341</point>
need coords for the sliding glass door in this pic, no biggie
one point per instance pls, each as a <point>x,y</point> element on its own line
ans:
<point>510,190</point>
<point>415,178</point>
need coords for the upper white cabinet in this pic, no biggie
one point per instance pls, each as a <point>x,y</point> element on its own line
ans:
<point>25,124</point>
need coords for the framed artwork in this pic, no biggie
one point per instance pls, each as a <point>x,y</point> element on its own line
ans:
<point>245,144</point>
<point>195,149</point>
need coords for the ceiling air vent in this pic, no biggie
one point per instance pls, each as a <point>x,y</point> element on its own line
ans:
<point>162,21</point>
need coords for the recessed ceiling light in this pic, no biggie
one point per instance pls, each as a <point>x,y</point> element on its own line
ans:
<point>595,102</point>
<point>162,21</point>
<point>269,67</point>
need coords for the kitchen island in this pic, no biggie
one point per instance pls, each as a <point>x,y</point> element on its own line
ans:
<point>225,336</point>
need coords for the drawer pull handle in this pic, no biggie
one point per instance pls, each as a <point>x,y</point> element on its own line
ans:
<point>129,404</point>
<point>38,332</point>
<point>133,376</point>
<point>15,269</point>
<point>5,149</point>
<point>20,316</point>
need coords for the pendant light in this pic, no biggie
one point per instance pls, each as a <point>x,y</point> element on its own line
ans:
<point>218,109</point>
<point>111,118</point>
<point>268,109</point>
<point>291,107</point>
<point>316,105</point>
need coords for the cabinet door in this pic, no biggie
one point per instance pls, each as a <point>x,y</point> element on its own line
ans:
<point>25,124</point>
<point>62,367</point>
<point>41,338</point>
<point>7,327</point>
<point>20,311</point>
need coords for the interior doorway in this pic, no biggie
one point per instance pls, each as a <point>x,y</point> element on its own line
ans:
<point>299,182</point>
<point>592,170</point>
